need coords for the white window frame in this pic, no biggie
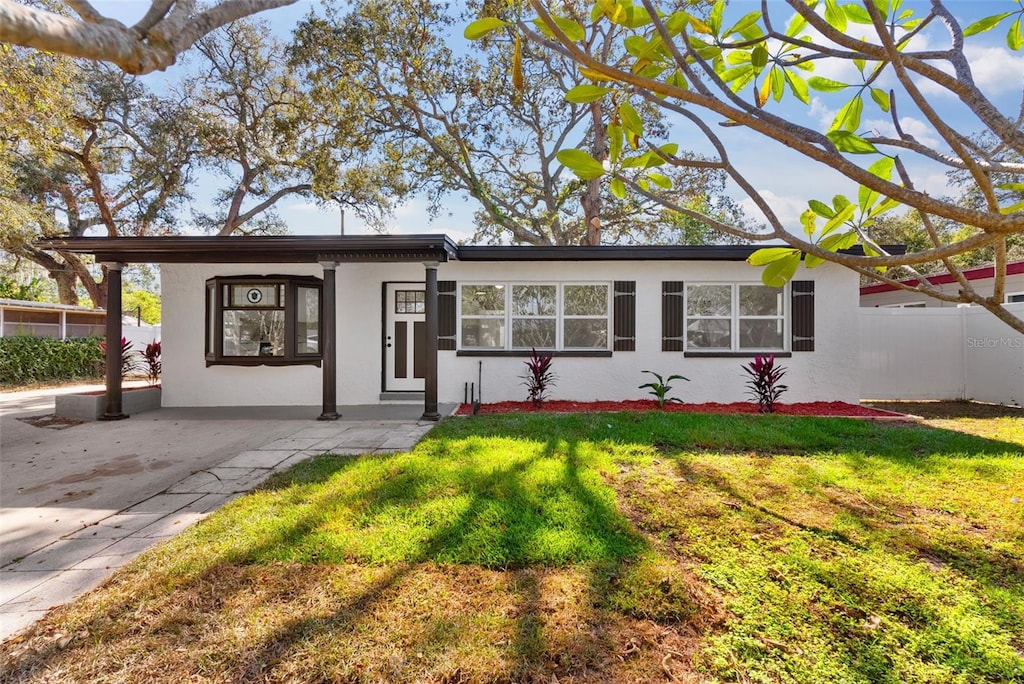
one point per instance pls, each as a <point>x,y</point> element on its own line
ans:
<point>1014,294</point>
<point>560,316</point>
<point>734,308</point>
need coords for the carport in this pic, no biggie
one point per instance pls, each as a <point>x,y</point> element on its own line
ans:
<point>330,252</point>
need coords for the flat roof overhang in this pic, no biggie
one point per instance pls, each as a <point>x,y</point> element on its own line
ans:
<point>260,249</point>
<point>378,248</point>
<point>607,253</point>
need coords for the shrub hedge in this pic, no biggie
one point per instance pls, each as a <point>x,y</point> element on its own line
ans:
<point>26,360</point>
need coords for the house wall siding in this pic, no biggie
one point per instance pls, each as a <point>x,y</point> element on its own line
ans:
<point>187,381</point>
<point>829,373</point>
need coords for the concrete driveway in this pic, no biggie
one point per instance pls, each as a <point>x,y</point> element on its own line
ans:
<point>76,503</point>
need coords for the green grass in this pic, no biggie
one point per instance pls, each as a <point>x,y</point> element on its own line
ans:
<point>490,501</point>
<point>626,546</point>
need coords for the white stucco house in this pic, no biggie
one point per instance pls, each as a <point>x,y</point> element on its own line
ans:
<point>982,279</point>
<point>323,321</point>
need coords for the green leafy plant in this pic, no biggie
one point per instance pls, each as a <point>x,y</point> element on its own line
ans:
<point>25,360</point>
<point>720,61</point>
<point>153,364</point>
<point>660,388</point>
<point>128,361</point>
<point>764,381</point>
<point>31,291</point>
<point>539,377</point>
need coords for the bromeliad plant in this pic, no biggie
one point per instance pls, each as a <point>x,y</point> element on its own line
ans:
<point>539,377</point>
<point>764,382</point>
<point>153,364</point>
<point>128,362</point>
<point>660,388</point>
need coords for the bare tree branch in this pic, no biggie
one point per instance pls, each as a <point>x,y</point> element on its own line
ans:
<point>152,45</point>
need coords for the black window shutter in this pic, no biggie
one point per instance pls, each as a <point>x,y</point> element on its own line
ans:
<point>673,318</point>
<point>624,315</point>
<point>447,325</point>
<point>802,296</point>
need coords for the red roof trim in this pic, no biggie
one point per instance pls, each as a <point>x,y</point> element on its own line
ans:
<point>1012,268</point>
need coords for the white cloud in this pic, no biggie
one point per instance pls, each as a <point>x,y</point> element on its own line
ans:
<point>996,69</point>
<point>821,113</point>
<point>935,184</point>
<point>787,209</point>
<point>921,131</point>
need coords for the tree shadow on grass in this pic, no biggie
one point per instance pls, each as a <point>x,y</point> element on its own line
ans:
<point>509,520</point>
<point>872,592</point>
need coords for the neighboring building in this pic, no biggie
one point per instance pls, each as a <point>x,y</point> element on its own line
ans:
<point>981,279</point>
<point>43,319</point>
<point>251,321</point>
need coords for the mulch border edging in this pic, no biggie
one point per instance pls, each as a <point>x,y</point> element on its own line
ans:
<point>466,410</point>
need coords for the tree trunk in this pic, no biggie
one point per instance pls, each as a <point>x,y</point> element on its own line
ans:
<point>66,290</point>
<point>591,199</point>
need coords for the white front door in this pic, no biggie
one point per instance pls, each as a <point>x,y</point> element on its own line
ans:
<point>405,333</point>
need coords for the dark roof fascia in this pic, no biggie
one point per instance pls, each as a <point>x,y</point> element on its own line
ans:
<point>627,253</point>
<point>260,249</point>
<point>605,253</point>
<point>377,248</point>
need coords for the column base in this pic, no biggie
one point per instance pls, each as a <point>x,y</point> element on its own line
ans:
<point>432,417</point>
<point>333,415</point>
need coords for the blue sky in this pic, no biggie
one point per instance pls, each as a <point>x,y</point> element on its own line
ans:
<point>784,178</point>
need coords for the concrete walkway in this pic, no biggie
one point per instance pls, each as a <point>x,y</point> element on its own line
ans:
<point>78,503</point>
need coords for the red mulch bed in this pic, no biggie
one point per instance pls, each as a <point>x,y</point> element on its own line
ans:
<point>813,408</point>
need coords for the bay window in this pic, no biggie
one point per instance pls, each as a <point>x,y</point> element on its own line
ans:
<point>263,320</point>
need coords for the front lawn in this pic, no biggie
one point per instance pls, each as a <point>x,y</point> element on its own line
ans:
<point>598,547</point>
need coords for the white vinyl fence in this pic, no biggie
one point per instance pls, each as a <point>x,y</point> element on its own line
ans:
<point>941,353</point>
<point>140,336</point>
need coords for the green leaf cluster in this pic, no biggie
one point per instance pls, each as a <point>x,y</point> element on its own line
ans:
<point>25,360</point>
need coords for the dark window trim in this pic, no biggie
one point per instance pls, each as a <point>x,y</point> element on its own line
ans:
<point>215,356</point>
<point>526,353</point>
<point>735,354</point>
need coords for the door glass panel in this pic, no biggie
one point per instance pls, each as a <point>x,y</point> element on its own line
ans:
<point>410,301</point>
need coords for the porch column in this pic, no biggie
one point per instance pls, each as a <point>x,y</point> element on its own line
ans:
<point>329,346</point>
<point>430,382</point>
<point>114,409</point>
